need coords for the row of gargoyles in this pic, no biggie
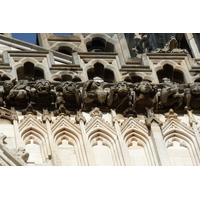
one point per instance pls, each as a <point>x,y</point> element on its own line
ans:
<point>96,93</point>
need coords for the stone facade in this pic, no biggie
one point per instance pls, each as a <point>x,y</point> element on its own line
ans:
<point>100,99</point>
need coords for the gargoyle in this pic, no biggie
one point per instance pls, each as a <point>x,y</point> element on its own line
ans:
<point>16,93</point>
<point>170,95</point>
<point>192,96</point>
<point>171,47</point>
<point>93,94</point>
<point>120,96</point>
<point>144,95</point>
<point>42,94</point>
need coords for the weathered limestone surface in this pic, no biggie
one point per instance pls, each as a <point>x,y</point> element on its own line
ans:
<point>87,100</point>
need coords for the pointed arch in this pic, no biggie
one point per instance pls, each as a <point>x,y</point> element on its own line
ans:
<point>68,146</point>
<point>29,68</point>
<point>68,45</point>
<point>185,147</point>
<point>139,147</point>
<point>36,145</point>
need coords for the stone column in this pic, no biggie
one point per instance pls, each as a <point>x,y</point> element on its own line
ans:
<point>126,160</point>
<point>157,138</point>
<point>18,139</point>
<point>193,124</point>
<point>193,45</point>
<point>90,160</point>
<point>50,144</point>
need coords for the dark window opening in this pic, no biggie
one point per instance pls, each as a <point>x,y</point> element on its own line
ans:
<point>29,72</point>
<point>38,74</point>
<point>99,71</point>
<point>133,79</point>
<point>168,72</point>
<point>65,50</point>
<point>99,45</point>
<point>182,43</point>
<point>66,77</point>
<point>4,78</point>
<point>197,80</point>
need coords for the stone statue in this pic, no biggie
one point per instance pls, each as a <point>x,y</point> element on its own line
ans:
<point>144,95</point>
<point>150,117</point>
<point>171,47</point>
<point>69,95</point>
<point>22,154</point>
<point>16,93</point>
<point>170,95</point>
<point>142,44</point>
<point>93,94</point>
<point>42,94</point>
<point>120,96</point>
<point>192,96</point>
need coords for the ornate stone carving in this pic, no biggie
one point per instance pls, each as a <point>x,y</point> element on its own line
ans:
<point>2,139</point>
<point>16,93</point>
<point>171,114</point>
<point>142,44</point>
<point>144,95</point>
<point>8,114</point>
<point>67,97</point>
<point>192,96</point>
<point>169,95</point>
<point>120,96</point>
<point>79,117</point>
<point>96,112</point>
<point>150,117</point>
<point>94,94</point>
<point>171,47</point>
<point>22,154</point>
<point>42,94</point>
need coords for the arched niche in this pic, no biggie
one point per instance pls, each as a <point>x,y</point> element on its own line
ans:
<point>104,147</point>
<point>133,79</point>
<point>68,147</point>
<point>99,45</point>
<point>169,72</point>
<point>179,153</point>
<point>33,147</point>
<point>30,72</point>
<point>65,50</point>
<point>67,77</point>
<point>138,148</point>
<point>67,152</point>
<point>102,153</point>
<point>100,71</point>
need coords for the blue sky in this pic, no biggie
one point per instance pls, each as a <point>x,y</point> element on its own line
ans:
<point>31,37</point>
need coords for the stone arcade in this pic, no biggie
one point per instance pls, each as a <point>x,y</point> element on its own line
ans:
<point>100,99</point>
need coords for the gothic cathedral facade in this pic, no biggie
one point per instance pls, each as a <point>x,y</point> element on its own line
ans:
<point>100,99</point>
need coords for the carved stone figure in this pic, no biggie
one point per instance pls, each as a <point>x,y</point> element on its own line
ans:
<point>120,96</point>
<point>22,154</point>
<point>171,47</point>
<point>42,94</point>
<point>94,94</point>
<point>170,95</point>
<point>142,44</point>
<point>150,117</point>
<point>192,96</point>
<point>68,94</point>
<point>144,95</point>
<point>16,93</point>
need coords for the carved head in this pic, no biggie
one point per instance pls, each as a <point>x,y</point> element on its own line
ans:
<point>69,87</point>
<point>43,87</point>
<point>122,88</point>
<point>144,87</point>
<point>8,85</point>
<point>195,88</point>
